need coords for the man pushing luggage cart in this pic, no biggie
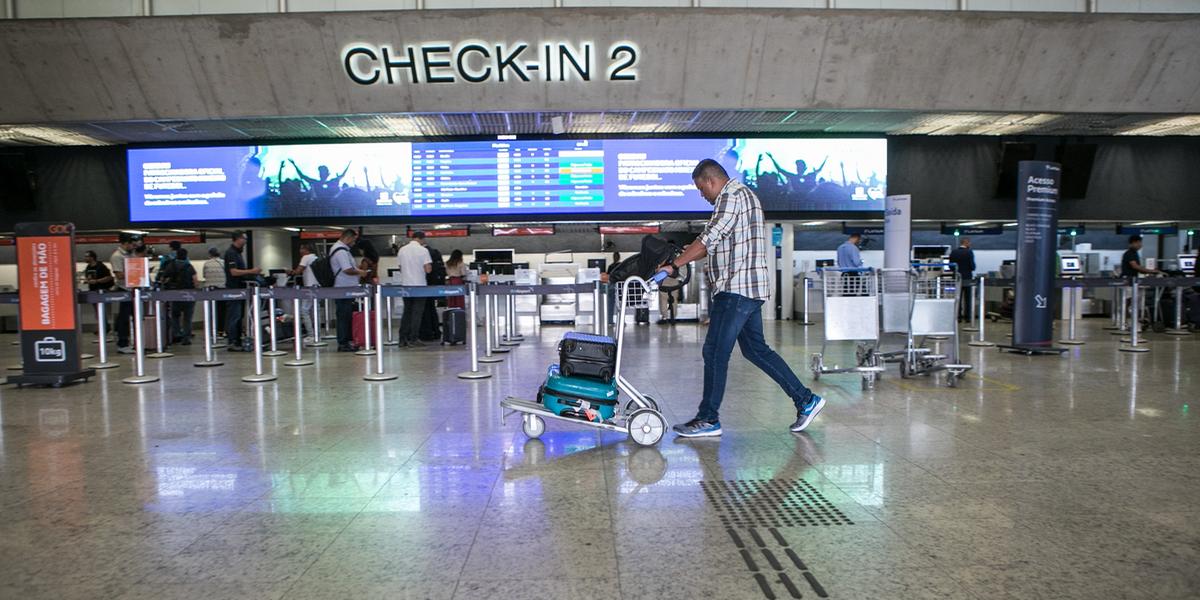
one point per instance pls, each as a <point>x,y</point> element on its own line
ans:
<point>734,240</point>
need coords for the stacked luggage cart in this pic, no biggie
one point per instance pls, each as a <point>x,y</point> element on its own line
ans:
<point>862,305</point>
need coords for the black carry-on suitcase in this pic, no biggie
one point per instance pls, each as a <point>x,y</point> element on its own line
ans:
<point>454,326</point>
<point>587,355</point>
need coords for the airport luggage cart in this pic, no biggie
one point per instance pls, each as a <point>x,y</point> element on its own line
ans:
<point>895,300</point>
<point>851,299</point>
<point>933,311</point>
<point>640,416</point>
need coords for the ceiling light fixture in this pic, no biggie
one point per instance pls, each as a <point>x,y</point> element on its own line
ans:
<point>972,223</point>
<point>814,223</point>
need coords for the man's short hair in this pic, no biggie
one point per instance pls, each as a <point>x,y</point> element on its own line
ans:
<point>709,169</point>
<point>214,252</point>
<point>175,244</point>
<point>418,235</point>
<point>90,254</point>
<point>1135,238</point>
<point>349,233</point>
<point>856,235</point>
<point>181,253</point>
<point>237,235</point>
<point>306,246</point>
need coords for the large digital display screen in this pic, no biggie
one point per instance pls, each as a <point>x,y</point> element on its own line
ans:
<point>509,178</point>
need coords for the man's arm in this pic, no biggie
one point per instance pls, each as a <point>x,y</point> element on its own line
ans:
<point>717,229</point>
<point>103,280</point>
<point>1137,266</point>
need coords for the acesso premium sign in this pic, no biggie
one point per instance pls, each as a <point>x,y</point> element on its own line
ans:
<point>476,61</point>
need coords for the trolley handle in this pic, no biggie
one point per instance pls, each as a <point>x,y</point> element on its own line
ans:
<point>846,269</point>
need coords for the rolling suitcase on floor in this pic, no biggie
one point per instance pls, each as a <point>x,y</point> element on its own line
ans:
<point>641,316</point>
<point>454,326</point>
<point>578,397</point>
<point>358,327</point>
<point>587,355</point>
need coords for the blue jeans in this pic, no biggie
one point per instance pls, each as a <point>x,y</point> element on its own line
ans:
<point>736,318</point>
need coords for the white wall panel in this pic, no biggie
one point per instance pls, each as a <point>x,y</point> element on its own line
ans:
<point>102,8</point>
<point>1149,6</point>
<point>900,4</point>
<point>213,7</point>
<point>448,4</point>
<point>1029,5</point>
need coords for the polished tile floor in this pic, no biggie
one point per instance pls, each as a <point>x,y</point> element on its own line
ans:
<point>1039,477</point>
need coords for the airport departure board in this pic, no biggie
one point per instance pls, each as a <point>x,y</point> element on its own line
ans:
<point>506,178</point>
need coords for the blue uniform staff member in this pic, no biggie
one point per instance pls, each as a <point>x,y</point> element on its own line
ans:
<point>848,256</point>
<point>735,243</point>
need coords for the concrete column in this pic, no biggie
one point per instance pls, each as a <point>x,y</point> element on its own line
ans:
<point>147,8</point>
<point>10,9</point>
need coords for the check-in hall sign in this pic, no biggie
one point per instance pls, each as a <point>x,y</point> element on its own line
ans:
<point>48,309</point>
<point>482,62</point>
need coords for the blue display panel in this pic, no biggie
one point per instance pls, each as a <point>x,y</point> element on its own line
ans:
<point>506,178</point>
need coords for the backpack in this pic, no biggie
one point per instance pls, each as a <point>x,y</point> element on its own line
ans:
<point>437,275</point>
<point>655,251</point>
<point>323,271</point>
<point>181,276</point>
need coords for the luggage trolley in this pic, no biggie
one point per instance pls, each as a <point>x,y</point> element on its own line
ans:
<point>640,416</point>
<point>851,314</point>
<point>933,310</point>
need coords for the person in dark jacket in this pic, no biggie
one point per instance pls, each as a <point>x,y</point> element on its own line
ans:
<point>963,259</point>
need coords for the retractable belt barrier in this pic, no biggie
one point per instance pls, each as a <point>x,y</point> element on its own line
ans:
<point>1107,282</point>
<point>423,291</point>
<point>504,289</point>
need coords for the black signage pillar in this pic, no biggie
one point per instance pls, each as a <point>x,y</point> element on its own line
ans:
<point>49,310</point>
<point>1037,234</point>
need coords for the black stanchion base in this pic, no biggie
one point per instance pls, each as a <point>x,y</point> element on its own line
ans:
<point>56,380</point>
<point>1031,350</point>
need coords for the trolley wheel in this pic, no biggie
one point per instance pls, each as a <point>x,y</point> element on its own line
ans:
<point>951,379</point>
<point>815,366</point>
<point>533,426</point>
<point>904,372</point>
<point>646,427</point>
<point>632,406</point>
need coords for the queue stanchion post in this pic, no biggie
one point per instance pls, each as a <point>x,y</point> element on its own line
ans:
<point>159,352</point>
<point>981,340</point>
<point>139,348</point>
<point>1134,344</point>
<point>378,375</point>
<point>505,335</point>
<point>1120,309</point>
<point>216,343</point>
<point>1178,329</point>
<point>366,350</point>
<point>473,335</point>
<point>806,284</point>
<point>488,357</point>
<point>317,340</point>
<point>327,335</point>
<point>391,341</point>
<point>274,351</point>
<point>210,357</point>
<point>497,347</point>
<point>1073,302</point>
<point>297,336</point>
<point>596,309</point>
<point>101,331</point>
<point>259,376</point>
<point>514,333</point>
<point>971,326</point>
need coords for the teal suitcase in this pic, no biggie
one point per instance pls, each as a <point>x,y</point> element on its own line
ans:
<point>578,397</point>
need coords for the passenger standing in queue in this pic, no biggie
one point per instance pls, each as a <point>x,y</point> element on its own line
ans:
<point>125,310</point>
<point>179,274</point>
<point>963,258</point>
<point>235,274</point>
<point>99,279</point>
<point>734,240</point>
<point>309,280</point>
<point>456,274</point>
<point>214,277</point>
<point>415,263</point>
<point>1131,262</point>
<point>341,261</point>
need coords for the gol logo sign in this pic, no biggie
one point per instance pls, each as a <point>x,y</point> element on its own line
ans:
<point>66,228</point>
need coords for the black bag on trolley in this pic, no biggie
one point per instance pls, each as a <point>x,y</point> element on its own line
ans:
<point>655,252</point>
<point>587,355</point>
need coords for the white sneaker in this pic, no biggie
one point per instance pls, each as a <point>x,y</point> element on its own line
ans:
<point>125,350</point>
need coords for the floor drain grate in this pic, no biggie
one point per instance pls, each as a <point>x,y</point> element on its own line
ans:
<point>771,503</point>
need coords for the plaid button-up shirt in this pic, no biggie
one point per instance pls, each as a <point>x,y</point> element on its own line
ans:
<point>735,238</point>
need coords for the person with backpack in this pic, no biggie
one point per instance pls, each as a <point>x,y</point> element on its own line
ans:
<point>179,274</point>
<point>344,274</point>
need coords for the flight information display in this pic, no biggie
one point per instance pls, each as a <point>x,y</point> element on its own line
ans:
<point>504,178</point>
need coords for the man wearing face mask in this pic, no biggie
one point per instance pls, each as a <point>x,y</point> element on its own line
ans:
<point>734,240</point>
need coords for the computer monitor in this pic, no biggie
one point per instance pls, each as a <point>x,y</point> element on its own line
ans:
<point>826,263</point>
<point>929,252</point>
<point>494,256</point>
<point>598,263</point>
<point>1187,263</point>
<point>1070,264</point>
